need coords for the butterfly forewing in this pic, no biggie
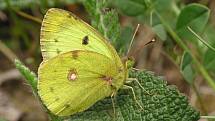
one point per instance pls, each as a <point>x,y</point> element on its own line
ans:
<point>62,32</point>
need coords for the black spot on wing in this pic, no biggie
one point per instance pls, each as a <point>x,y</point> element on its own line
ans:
<point>85,40</point>
<point>55,40</point>
<point>70,15</point>
<point>57,99</point>
<point>51,89</point>
<point>67,105</point>
<point>75,17</point>
<point>58,51</point>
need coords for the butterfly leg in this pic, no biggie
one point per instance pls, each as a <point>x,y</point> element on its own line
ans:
<point>135,98</point>
<point>129,80</point>
<point>113,104</point>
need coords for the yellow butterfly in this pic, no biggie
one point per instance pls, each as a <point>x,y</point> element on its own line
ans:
<point>79,68</point>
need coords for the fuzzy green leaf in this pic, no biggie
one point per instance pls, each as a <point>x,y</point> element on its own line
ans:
<point>30,77</point>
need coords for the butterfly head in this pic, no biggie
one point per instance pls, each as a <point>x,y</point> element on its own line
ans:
<point>128,62</point>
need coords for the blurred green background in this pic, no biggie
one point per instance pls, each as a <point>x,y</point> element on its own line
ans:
<point>20,22</point>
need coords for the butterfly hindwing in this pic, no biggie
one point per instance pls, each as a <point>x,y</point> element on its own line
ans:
<point>74,81</point>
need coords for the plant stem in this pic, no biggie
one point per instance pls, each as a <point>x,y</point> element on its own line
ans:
<point>208,117</point>
<point>201,39</point>
<point>7,52</point>
<point>30,17</point>
<point>102,19</point>
<point>179,41</point>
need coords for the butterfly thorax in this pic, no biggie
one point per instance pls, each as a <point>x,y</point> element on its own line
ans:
<point>116,81</point>
<point>108,79</point>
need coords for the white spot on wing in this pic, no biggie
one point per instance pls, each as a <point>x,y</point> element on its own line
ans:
<point>73,76</point>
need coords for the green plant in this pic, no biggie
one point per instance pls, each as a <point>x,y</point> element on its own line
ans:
<point>165,103</point>
<point>180,24</point>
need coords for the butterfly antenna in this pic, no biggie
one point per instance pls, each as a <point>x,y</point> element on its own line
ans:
<point>138,25</point>
<point>153,40</point>
<point>141,46</point>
